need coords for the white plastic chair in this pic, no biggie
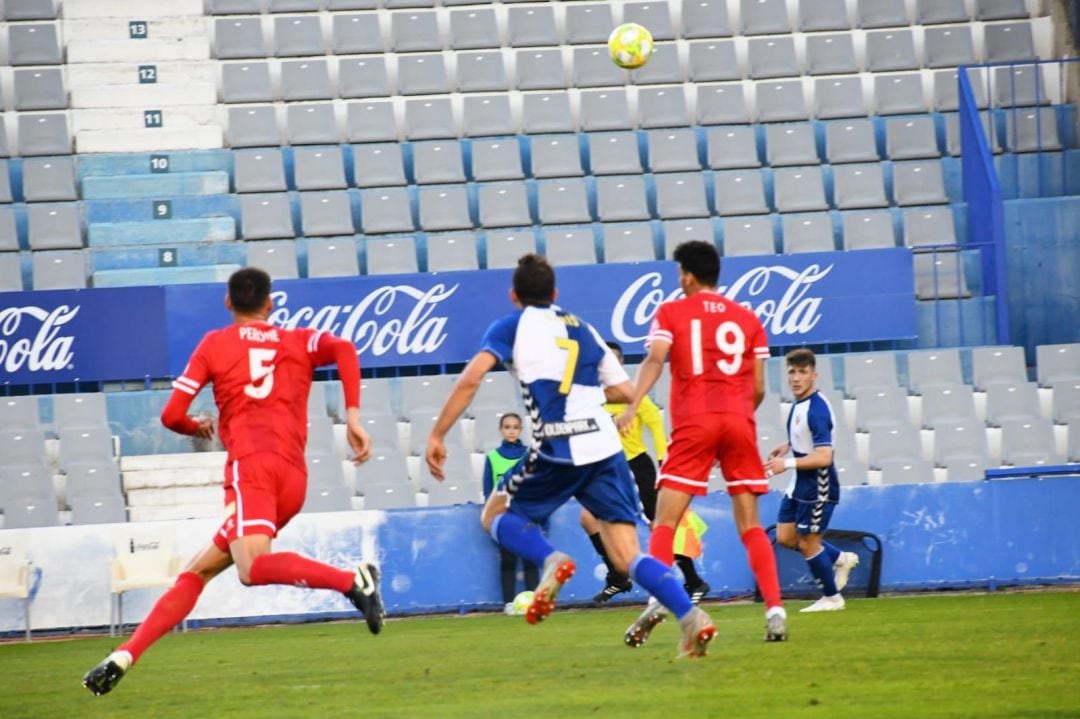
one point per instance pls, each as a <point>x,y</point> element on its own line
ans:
<point>15,571</point>
<point>143,561</point>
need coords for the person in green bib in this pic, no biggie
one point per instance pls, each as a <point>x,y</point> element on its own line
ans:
<point>496,464</point>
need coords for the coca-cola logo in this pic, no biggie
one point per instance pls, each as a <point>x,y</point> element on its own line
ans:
<point>778,295</point>
<point>396,318</point>
<point>45,350</point>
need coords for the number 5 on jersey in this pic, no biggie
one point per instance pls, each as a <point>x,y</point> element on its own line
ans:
<point>730,341</point>
<point>261,362</point>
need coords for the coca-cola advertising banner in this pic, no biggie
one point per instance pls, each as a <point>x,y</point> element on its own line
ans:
<point>439,318</point>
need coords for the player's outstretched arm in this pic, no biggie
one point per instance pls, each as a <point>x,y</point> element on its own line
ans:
<point>342,353</point>
<point>456,404</point>
<point>358,438</point>
<point>175,417</point>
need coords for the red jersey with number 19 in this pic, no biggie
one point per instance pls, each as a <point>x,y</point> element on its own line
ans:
<point>261,376</point>
<point>714,343</point>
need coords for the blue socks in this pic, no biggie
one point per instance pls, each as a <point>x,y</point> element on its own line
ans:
<point>521,537</point>
<point>822,569</point>
<point>659,581</point>
<point>831,550</point>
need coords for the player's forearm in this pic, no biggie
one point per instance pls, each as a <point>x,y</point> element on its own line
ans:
<point>348,367</point>
<point>820,458</point>
<point>648,374</point>
<point>175,414</point>
<point>455,406</point>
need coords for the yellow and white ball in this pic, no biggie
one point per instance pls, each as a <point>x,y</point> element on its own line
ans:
<point>630,45</point>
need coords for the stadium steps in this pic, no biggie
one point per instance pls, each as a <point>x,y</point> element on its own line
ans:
<point>135,163</point>
<point>118,118</point>
<point>140,470</point>
<point>163,275</point>
<point>149,255</point>
<point>144,96</point>
<point>166,513</point>
<point>195,138</point>
<point>82,9</point>
<point>174,74</point>
<point>172,184</point>
<point>200,229</point>
<point>139,210</point>
<point>176,495</point>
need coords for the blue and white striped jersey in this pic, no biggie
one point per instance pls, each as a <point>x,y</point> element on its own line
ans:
<point>810,424</point>
<point>563,366</point>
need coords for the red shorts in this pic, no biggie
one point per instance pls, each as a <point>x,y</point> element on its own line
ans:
<point>262,493</point>
<point>729,440</point>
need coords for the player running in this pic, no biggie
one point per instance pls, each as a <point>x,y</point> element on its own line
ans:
<point>261,376</point>
<point>814,491</point>
<point>565,371</point>
<point>718,350</point>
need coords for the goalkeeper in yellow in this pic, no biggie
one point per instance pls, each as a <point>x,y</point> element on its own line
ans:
<point>687,534</point>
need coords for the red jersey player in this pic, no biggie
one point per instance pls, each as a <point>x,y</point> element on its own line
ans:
<point>717,350</point>
<point>261,376</point>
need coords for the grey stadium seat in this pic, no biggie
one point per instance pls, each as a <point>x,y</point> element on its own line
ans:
<point>10,272</point>
<point>721,105</point>
<point>838,97</point>
<point>614,153</point>
<point>444,208</point>
<point>713,61</point>
<point>312,124</point>
<point>1065,407</point>
<point>1057,363</point>
<point>933,12</point>
<point>960,439</point>
<point>880,13</point>
<point>1006,42</point>
<point>588,23</point>
<point>906,471</point>
<point>429,119</point>
<point>452,252</point>
<point>547,112</point>
<point>898,94</point>
<point>628,242</point>
<point>496,160</point>
<point>9,237</point>
<point>1008,400</point>
<point>39,89</point>
<point>332,258</point>
<point>1018,86</point>
<point>505,247</point>
<point>621,198</point>
<point>253,127</point>
<point>664,67</point>
<point>943,403</point>
<point>948,46</point>
<point>234,7</point>
<point>748,236</point>
<point>238,38</point>
<point>888,50</point>
<point>30,10</point>
<point>385,209</point>
<point>772,57</point>
<point>739,192</point>
<point>356,34</point>
<point>530,26</point>
<point>764,17</point>
<point>298,36</point>
<point>391,256</point>
<point>556,156</point>
<point>868,230</point>
<point>593,68</point>
<point>277,257</point>
<point>1000,9</point>
<point>415,32</point>
<point>732,147</point>
<point>819,15</point>
<point>105,509</point>
<point>653,15</point>
<point>1034,130</point>
<point>780,101</point>
<point>877,406</point>
<point>79,410</point>
<point>563,202</point>
<point>990,365</point>
<point>911,138</point>
<point>673,150</point>
<point>378,165</point>
<point>34,44</point>
<point>265,217</point>
<point>929,226</point>
<point>918,183</point>
<point>570,247</point>
<point>790,145</point>
<point>850,141</point>
<point>422,75</point>
<point>59,270</point>
<point>488,115</point>
<point>504,204</point>
<point>678,231</point>
<point>473,29</point>
<point>900,442</point>
<point>1029,442</point>
<point>830,54</point>
<point>605,110</point>
<point>680,195</point>
<point>481,72</point>
<point>49,179</point>
<point>946,93</point>
<point>319,168</point>
<point>261,170</point>
<point>705,18</point>
<point>868,371</point>
<point>808,233</point>
<point>363,77</point>
<point>326,213</point>
<point>246,82</point>
<point>940,275</point>
<point>54,227</point>
<point>5,183</point>
<point>437,161</point>
<point>540,70</point>
<point>799,189</point>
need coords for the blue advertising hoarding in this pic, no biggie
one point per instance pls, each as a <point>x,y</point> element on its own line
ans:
<point>439,318</point>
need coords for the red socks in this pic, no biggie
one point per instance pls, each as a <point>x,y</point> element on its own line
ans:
<point>662,544</point>
<point>169,611</point>
<point>763,563</point>
<point>290,568</point>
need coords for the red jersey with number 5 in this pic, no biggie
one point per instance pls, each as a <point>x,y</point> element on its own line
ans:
<point>261,376</point>
<point>714,343</point>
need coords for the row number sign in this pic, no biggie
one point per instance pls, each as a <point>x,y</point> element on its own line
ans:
<point>152,118</point>
<point>159,163</point>
<point>162,209</point>
<point>167,257</point>
<point>147,74</point>
<point>138,30</point>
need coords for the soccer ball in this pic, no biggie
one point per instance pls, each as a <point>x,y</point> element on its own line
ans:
<point>522,602</point>
<point>630,45</point>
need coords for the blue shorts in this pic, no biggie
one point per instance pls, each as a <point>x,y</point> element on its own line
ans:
<point>605,488</point>
<point>808,517</point>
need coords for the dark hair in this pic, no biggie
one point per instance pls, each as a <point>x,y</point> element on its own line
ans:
<point>515,415</point>
<point>614,346</point>
<point>248,289</point>
<point>534,280</point>
<point>700,259</point>
<point>801,357</point>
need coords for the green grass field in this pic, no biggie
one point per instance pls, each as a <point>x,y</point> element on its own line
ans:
<point>999,655</point>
